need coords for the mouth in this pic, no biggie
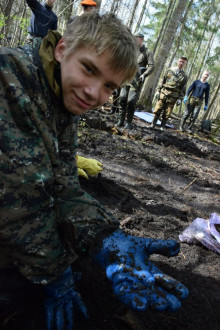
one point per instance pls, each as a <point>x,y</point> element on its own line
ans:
<point>83,104</point>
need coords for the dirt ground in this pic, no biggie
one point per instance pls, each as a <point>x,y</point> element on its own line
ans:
<point>156,183</point>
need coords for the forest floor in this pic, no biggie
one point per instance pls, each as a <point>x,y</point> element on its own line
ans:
<point>156,183</point>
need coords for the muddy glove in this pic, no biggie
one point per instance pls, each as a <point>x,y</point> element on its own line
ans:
<point>178,102</point>
<point>61,300</point>
<point>205,107</point>
<point>89,165</point>
<point>203,232</point>
<point>185,99</point>
<point>137,282</point>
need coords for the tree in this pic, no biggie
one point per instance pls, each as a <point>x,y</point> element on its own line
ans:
<point>162,54</point>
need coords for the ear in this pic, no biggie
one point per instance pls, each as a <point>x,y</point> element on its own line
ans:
<point>59,50</point>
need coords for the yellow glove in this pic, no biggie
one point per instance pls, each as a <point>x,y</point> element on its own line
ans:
<point>82,173</point>
<point>89,165</point>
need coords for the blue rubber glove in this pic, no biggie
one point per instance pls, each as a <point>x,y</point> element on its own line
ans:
<point>137,281</point>
<point>185,99</point>
<point>60,302</point>
<point>205,107</point>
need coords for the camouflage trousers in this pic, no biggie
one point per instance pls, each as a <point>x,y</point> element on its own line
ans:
<point>164,106</point>
<point>192,109</point>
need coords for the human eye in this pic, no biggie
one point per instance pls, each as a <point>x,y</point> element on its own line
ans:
<point>88,68</point>
<point>110,87</point>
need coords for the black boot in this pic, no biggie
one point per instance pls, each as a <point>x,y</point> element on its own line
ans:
<point>121,117</point>
<point>182,123</point>
<point>163,124</point>
<point>153,124</point>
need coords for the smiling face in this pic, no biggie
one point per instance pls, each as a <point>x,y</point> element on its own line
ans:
<point>87,78</point>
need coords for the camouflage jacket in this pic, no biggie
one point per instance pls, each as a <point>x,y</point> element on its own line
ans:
<point>173,83</point>
<point>46,219</point>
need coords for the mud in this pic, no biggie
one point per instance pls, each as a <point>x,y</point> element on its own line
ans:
<point>156,183</point>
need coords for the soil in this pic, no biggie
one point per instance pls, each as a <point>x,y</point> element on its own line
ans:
<point>156,183</point>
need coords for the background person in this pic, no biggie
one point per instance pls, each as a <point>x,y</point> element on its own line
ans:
<point>171,90</point>
<point>194,98</point>
<point>129,94</point>
<point>46,220</point>
<point>42,18</point>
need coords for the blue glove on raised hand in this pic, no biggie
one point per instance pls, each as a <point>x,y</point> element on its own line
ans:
<point>136,280</point>
<point>185,99</point>
<point>205,107</point>
<point>61,300</point>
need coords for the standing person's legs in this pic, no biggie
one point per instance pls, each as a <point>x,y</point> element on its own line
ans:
<point>185,116</point>
<point>133,97</point>
<point>195,105</point>
<point>159,107</point>
<point>123,105</point>
<point>168,108</point>
<point>115,101</point>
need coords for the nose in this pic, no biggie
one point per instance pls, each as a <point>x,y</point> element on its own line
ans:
<point>93,90</point>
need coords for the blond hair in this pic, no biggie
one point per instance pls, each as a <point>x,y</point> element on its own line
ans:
<point>104,33</point>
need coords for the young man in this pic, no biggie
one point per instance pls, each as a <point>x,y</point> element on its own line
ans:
<point>42,18</point>
<point>47,221</point>
<point>129,94</point>
<point>170,91</point>
<point>194,98</point>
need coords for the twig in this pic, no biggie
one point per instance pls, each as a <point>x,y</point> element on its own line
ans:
<point>190,184</point>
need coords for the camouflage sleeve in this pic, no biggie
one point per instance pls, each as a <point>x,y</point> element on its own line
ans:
<point>29,233</point>
<point>40,192</point>
<point>161,82</point>
<point>150,65</point>
<point>183,89</point>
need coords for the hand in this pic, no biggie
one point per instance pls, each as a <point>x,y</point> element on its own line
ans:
<point>61,300</point>
<point>185,99</point>
<point>89,165</point>
<point>141,79</point>
<point>178,102</point>
<point>136,280</point>
<point>157,95</point>
<point>205,107</point>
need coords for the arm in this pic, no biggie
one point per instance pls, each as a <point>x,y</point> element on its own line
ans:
<point>34,5</point>
<point>207,95</point>
<point>191,88</point>
<point>150,65</point>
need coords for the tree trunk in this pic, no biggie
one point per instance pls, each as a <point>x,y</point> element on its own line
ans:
<point>178,39</point>
<point>141,16</point>
<point>163,27</point>
<point>114,6</point>
<point>162,54</point>
<point>207,114</point>
<point>131,18</point>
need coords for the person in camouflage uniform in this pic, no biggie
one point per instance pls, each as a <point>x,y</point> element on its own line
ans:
<point>170,91</point>
<point>129,94</point>
<point>46,220</point>
<point>40,191</point>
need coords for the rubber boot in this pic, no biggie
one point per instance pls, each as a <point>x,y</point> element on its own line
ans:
<point>122,115</point>
<point>189,128</point>
<point>182,123</point>
<point>163,124</point>
<point>153,124</point>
